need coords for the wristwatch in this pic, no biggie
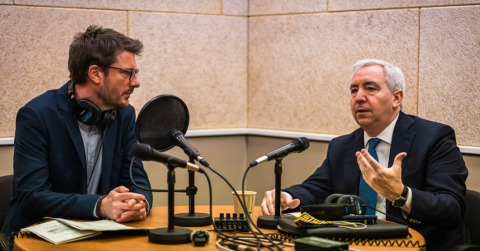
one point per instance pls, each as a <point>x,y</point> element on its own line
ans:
<point>400,200</point>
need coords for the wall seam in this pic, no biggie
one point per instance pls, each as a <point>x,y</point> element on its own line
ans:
<point>104,9</point>
<point>418,60</point>
<point>362,10</point>
<point>248,63</point>
<point>410,7</point>
<point>128,27</point>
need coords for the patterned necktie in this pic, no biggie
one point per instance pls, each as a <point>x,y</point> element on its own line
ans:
<point>366,192</point>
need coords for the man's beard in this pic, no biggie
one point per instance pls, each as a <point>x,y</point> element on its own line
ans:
<point>110,96</point>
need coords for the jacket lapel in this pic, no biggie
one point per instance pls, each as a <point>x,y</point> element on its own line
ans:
<point>73,130</point>
<point>107,155</point>
<point>352,171</point>
<point>402,140</point>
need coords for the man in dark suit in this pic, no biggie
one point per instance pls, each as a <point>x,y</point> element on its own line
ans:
<point>412,170</point>
<point>72,144</point>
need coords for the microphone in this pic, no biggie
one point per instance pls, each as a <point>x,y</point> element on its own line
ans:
<point>176,137</point>
<point>145,152</point>
<point>298,145</point>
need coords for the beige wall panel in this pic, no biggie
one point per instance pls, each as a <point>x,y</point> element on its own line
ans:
<point>235,7</point>
<point>336,5</point>
<point>265,7</point>
<point>34,52</point>
<point>473,165</point>
<point>201,59</point>
<point>450,71</point>
<point>195,6</point>
<point>226,155</point>
<point>299,65</point>
<point>6,1</point>
<point>296,167</point>
<point>6,155</point>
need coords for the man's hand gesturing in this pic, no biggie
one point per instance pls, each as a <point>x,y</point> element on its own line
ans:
<point>122,206</point>
<point>385,181</point>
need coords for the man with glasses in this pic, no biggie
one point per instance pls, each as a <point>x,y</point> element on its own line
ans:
<point>72,145</point>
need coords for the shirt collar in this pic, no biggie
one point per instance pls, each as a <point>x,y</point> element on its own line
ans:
<point>386,135</point>
<point>87,128</point>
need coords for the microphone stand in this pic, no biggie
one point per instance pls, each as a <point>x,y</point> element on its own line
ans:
<point>192,219</point>
<point>170,235</point>
<point>271,221</point>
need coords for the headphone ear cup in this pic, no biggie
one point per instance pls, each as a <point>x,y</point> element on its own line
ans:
<point>362,204</point>
<point>85,107</point>
<point>332,198</point>
<point>344,199</point>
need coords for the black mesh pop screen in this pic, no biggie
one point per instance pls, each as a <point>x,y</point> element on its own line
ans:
<point>157,117</point>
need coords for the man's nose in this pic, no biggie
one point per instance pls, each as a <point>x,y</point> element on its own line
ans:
<point>135,83</point>
<point>361,96</point>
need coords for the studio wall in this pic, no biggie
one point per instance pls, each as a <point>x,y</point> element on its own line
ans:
<point>268,64</point>
<point>196,50</point>
<point>300,59</point>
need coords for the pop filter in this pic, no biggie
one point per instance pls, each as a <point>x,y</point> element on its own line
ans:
<point>157,117</point>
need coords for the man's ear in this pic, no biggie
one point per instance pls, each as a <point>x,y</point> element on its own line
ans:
<point>397,98</point>
<point>95,73</point>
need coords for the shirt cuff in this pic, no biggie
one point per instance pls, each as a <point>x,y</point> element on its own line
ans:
<point>147,206</point>
<point>95,209</point>
<point>408,204</point>
<point>288,195</point>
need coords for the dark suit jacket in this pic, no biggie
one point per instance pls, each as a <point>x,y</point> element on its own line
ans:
<point>433,168</point>
<point>50,177</point>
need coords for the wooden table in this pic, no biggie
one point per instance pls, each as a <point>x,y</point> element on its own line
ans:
<point>158,218</point>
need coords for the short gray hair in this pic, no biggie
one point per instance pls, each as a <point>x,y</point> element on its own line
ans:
<point>393,75</point>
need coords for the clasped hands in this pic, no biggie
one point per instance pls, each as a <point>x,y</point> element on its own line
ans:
<point>122,206</point>
<point>385,181</point>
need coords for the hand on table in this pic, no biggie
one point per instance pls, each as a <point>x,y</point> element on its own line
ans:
<point>122,206</point>
<point>385,181</point>
<point>268,203</point>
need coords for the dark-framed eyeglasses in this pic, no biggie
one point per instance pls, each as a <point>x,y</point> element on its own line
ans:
<point>132,72</point>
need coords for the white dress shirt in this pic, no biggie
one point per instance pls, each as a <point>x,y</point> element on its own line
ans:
<point>383,153</point>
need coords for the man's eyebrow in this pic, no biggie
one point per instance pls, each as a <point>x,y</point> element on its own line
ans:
<point>372,83</point>
<point>353,85</point>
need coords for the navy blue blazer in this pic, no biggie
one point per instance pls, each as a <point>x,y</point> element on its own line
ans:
<point>433,169</point>
<point>50,177</point>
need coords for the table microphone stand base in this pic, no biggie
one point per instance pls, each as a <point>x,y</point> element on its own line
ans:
<point>268,221</point>
<point>165,236</point>
<point>196,220</point>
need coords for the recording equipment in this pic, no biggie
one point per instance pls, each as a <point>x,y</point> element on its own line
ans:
<point>356,204</point>
<point>87,112</point>
<point>239,247</point>
<point>232,223</point>
<point>336,206</point>
<point>176,137</point>
<point>200,237</point>
<point>157,117</point>
<point>298,145</point>
<point>145,152</point>
<point>316,243</point>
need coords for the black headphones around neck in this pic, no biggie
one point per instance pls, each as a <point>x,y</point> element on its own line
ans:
<point>87,112</point>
